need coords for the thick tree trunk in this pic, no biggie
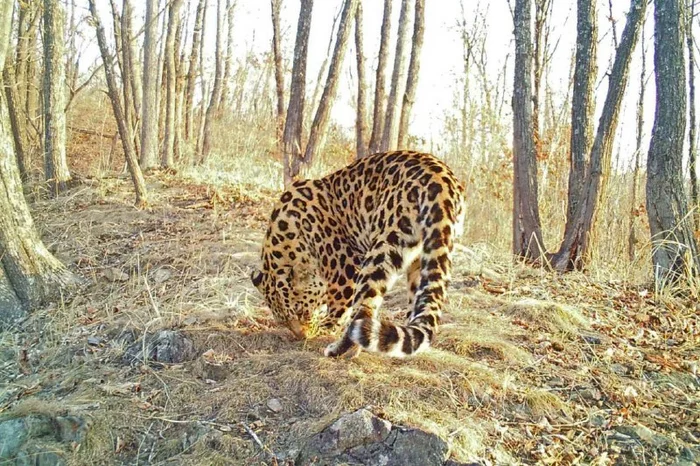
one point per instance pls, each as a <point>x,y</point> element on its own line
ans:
<point>29,275</point>
<point>583,105</point>
<point>675,252</point>
<point>114,97</point>
<point>56,170</point>
<point>379,106</point>
<point>193,70</point>
<point>574,251</point>
<point>320,124</point>
<point>390,135</point>
<point>291,142</point>
<point>361,119</point>
<point>279,69</point>
<point>527,230</point>
<point>149,102</point>
<point>212,109</point>
<point>167,160</point>
<point>409,96</point>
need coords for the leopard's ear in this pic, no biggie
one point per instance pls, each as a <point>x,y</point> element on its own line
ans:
<point>256,277</point>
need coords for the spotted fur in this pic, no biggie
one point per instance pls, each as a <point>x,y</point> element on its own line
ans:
<point>337,244</point>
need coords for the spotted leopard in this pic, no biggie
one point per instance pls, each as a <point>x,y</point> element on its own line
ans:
<point>337,244</point>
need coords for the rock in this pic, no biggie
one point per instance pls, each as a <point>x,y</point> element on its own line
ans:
<point>166,346</point>
<point>363,438</point>
<point>274,405</point>
<point>115,275</point>
<point>592,339</point>
<point>39,439</point>
<point>645,435</point>
<point>14,433</point>
<point>162,274</point>
<point>619,369</point>
<point>209,370</point>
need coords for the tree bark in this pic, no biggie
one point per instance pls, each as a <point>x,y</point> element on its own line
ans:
<point>212,109</point>
<point>390,133</point>
<point>167,160</point>
<point>541,42</point>
<point>675,252</point>
<point>29,275</point>
<point>279,69</point>
<point>133,92</point>
<point>692,155</point>
<point>632,239</point>
<point>583,104</point>
<point>379,106</point>
<point>228,61</point>
<point>574,251</point>
<point>16,124</point>
<point>193,69</point>
<point>527,230</point>
<point>409,96</point>
<point>320,124</point>
<point>113,89</point>
<point>291,142</point>
<point>149,102</point>
<point>361,119</point>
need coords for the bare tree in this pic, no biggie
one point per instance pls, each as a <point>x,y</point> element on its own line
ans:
<point>527,230</point>
<point>279,70</point>
<point>543,10</point>
<point>675,251</point>
<point>193,68</point>
<point>583,104</point>
<point>228,61</point>
<point>379,106</point>
<point>133,91</point>
<point>291,142</point>
<point>361,119</point>
<point>13,107</point>
<point>29,274</point>
<point>632,239</point>
<point>114,97</point>
<point>390,133</point>
<point>574,250</point>
<point>409,96</point>
<point>167,160</point>
<point>320,123</point>
<point>212,108</point>
<point>56,170</point>
<point>692,155</point>
<point>149,102</point>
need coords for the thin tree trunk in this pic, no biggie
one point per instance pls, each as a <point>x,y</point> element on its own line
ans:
<point>542,11</point>
<point>132,79</point>
<point>131,160</point>
<point>390,134</point>
<point>319,127</point>
<point>291,143</point>
<point>361,119</point>
<point>527,230</point>
<point>167,161</point>
<point>149,102</point>
<point>632,239</point>
<point>31,99</point>
<point>574,251</point>
<point>379,106</point>
<point>193,68</point>
<point>279,70</point>
<point>674,249</point>
<point>315,98</point>
<point>8,75</point>
<point>29,275</point>
<point>692,155</point>
<point>212,109</point>
<point>409,96</point>
<point>228,62</point>
<point>55,165</point>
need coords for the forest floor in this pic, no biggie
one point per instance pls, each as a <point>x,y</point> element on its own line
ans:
<point>529,367</point>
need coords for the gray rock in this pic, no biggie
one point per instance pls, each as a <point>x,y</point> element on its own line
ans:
<point>363,438</point>
<point>14,433</point>
<point>166,346</point>
<point>39,439</point>
<point>645,435</point>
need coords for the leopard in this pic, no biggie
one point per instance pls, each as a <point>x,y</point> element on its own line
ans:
<point>335,246</point>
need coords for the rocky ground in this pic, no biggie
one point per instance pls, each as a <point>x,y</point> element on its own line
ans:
<point>167,356</point>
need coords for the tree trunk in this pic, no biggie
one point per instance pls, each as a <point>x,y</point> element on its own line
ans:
<point>379,107</point>
<point>361,119</point>
<point>527,230</point>
<point>16,124</point>
<point>149,102</point>
<point>634,212</point>
<point>279,69</point>
<point>29,275</point>
<point>583,104</point>
<point>167,161</point>
<point>114,97</point>
<point>409,96</point>
<point>390,135</point>
<point>212,109</point>
<point>319,127</point>
<point>541,42</point>
<point>132,82</point>
<point>692,155</point>
<point>291,142</point>
<point>574,251</point>
<point>675,252</point>
<point>228,62</point>
<point>193,69</point>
